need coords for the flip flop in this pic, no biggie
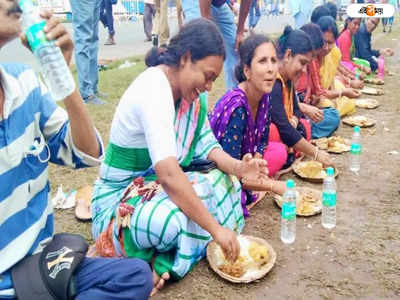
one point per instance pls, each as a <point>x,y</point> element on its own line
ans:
<point>83,212</point>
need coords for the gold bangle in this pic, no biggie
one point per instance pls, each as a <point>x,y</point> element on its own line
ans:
<point>270,186</point>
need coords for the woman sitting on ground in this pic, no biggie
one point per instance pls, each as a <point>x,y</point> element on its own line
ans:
<point>335,93</point>
<point>345,42</point>
<point>144,204</point>
<point>326,120</point>
<point>294,50</point>
<point>241,118</point>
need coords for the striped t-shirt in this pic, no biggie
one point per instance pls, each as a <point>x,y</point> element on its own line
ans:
<point>33,132</point>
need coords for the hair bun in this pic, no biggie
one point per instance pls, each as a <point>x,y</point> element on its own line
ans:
<point>288,29</point>
<point>154,56</point>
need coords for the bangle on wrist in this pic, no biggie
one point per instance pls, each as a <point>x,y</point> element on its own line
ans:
<point>271,186</point>
<point>340,94</point>
<point>316,153</point>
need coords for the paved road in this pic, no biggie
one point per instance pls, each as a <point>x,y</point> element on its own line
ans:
<point>130,40</point>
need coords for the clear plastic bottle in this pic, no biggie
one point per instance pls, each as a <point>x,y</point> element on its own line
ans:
<point>328,219</point>
<point>55,70</point>
<point>288,214</point>
<point>355,150</point>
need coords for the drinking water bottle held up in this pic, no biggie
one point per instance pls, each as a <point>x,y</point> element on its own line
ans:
<point>355,150</point>
<point>328,219</point>
<point>288,214</point>
<point>54,68</point>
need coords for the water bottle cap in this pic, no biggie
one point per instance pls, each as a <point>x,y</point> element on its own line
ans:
<point>290,184</point>
<point>330,171</point>
<point>357,129</point>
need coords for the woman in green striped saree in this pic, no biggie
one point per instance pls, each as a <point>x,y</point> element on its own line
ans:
<point>144,205</point>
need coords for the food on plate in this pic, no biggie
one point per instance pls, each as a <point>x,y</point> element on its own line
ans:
<point>310,169</point>
<point>367,103</point>
<point>361,121</point>
<point>252,257</point>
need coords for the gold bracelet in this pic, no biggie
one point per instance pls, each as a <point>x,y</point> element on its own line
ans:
<point>316,153</point>
<point>270,186</point>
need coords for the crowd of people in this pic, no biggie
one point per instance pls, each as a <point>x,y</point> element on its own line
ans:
<point>154,208</point>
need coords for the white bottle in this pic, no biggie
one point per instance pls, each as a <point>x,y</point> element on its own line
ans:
<point>288,214</point>
<point>328,219</point>
<point>355,150</point>
<point>55,70</point>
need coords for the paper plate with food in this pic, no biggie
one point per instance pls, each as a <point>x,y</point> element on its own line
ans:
<point>309,201</point>
<point>367,103</point>
<point>372,91</point>
<point>255,260</point>
<point>333,144</point>
<point>311,170</point>
<point>375,80</point>
<point>361,121</point>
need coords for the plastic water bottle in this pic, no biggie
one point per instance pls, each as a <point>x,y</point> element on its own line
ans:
<point>288,214</point>
<point>55,70</point>
<point>328,219</point>
<point>355,150</point>
<point>381,67</point>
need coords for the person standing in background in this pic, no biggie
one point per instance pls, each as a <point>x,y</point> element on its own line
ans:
<point>301,11</point>
<point>160,32</point>
<point>148,14</point>
<point>106,17</point>
<point>390,20</point>
<point>85,22</point>
<point>254,15</point>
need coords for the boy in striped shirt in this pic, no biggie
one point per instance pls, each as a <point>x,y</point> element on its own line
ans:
<point>33,132</point>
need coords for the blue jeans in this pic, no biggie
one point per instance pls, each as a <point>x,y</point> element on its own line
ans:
<point>85,21</point>
<point>224,19</point>
<point>106,15</point>
<point>113,279</point>
<point>254,14</point>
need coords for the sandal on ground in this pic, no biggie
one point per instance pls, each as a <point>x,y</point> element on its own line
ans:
<point>83,212</point>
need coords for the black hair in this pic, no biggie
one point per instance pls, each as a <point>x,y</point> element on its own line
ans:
<point>315,34</point>
<point>332,9</point>
<point>200,37</point>
<point>318,12</point>
<point>246,53</point>
<point>326,24</point>
<point>346,23</point>
<point>296,40</point>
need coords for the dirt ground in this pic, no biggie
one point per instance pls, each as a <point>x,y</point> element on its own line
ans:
<point>359,259</point>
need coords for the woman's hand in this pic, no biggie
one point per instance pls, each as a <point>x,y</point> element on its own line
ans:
<point>228,242</point>
<point>314,113</point>
<point>351,93</point>
<point>251,168</point>
<point>294,121</point>
<point>54,30</point>
<point>324,158</point>
<point>315,100</point>
<point>356,84</point>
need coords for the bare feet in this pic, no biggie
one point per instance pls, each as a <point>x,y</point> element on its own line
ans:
<point>92,251</point>
<point>159,281</point>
